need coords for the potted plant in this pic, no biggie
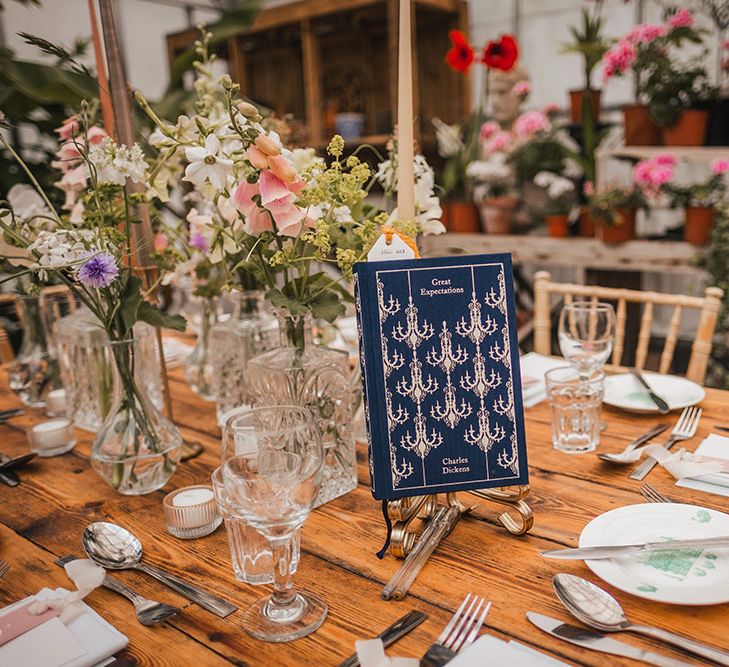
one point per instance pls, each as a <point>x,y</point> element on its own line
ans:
<point>494,192</point>
<point>587,41</point>
<point>561,202</point>
<point>457,145</point>
<point>669,92</point>
<point>700,201</point>
<point>613,211</point>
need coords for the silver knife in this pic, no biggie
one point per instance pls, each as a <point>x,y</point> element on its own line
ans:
<point>662,406</point>
<point>597,642</point>
<point>597,553</point>
<point>390,635</point>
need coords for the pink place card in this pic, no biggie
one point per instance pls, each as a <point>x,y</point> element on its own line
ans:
<point>20,620</point>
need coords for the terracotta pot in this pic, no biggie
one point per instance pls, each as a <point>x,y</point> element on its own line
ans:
<point>460,217</point>
<point>699,222</point>
<point>586,226</point>
<point>497,214</point>
<point>640,128</point>
<point>690,130</point>
<point>621,231</point>
<point>576,104</point>
<point>557,226</point>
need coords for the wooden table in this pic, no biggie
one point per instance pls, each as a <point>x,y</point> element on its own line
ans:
<point>44,517</point>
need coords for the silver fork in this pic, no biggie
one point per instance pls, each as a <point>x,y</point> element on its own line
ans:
<point>460,632</point>
<point>653,496</point>
<point>4,567</point>
<point>684,429</point>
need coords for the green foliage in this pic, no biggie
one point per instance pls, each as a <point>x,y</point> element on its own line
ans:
<point>607,205</point>
<point>671,88</point>
<point>708,193</point>
<point>588,41</point>
<point>540,153</point>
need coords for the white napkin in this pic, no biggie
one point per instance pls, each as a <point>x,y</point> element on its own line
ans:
<point>87,640</point>
<point>715,446</point>
<point>533,368</point>
<point>371,653</point>
<point>176,351</point>
<point>488,650</point>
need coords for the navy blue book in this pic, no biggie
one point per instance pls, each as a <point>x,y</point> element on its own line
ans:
<point>440,362</point>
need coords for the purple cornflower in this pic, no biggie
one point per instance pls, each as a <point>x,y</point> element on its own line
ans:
<point>100,271</point>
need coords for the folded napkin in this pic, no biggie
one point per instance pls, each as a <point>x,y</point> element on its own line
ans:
<point>533,368</point>
<point>715,447</point>
<point>488,650</point>
<point>176,351</point>
<point>371,653</point>
<point>75,636</point>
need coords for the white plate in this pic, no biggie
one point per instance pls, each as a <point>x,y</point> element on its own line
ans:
<point>690,576</point>
<point>624,391</point>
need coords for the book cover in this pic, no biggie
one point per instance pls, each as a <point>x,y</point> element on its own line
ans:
<point>440,366</point>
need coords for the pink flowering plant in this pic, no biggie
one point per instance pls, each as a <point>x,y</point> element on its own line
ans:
<point>710,192</point>
<point>664,81</point>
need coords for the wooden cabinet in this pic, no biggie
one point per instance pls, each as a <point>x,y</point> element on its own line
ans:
<point>314,59</point>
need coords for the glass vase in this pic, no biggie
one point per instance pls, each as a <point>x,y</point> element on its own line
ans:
<point>137,449</point>
<point>249,331</point>
<point>300,373</point>
<point>198,367</point>
<point>86,368</point>
<point>34,371</point>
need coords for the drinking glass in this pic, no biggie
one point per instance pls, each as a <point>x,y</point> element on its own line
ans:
<point>575,399</point>
<point>586,333</point>
<point>273,487</point>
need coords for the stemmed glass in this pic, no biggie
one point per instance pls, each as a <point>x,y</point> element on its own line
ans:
<point>586,333</point>
<point>273,486</point>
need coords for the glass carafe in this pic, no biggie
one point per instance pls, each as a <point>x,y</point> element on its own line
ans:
<point>198,367</point>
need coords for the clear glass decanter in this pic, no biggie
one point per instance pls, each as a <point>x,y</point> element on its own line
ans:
<point>87,371</point>
<point>250,330</point>
<point>301,373</point>
<point>199,367</point>
<point>137,448</point>
<point>34,371</point>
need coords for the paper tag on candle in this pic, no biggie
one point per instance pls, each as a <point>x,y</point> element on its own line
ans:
<point>382,251</point>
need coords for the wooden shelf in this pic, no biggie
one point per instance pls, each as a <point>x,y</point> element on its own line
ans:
<point>312,59</point>
<point>675,257</point>
<point>698,154</point>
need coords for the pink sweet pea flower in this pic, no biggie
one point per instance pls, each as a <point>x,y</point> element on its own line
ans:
<point>720,166</point>
<point>69,128</point>
<point>683,18</point>
<point>282,168</point>
<point>256,158</point>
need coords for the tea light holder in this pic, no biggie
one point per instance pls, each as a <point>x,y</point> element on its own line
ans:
<point>56,403</point>
<point>53,437</point>
<point>191,512</point>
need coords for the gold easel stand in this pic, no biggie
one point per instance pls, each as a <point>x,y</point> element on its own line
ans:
<point>517,519</point>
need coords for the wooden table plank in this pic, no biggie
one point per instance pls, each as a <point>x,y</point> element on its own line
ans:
<point>46,514</point>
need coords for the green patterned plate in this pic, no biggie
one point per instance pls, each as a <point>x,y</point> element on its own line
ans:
<point>682,576</point>
<point>624,391</point>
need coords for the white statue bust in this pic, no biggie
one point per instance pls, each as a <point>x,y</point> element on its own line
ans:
<point>505,102</point>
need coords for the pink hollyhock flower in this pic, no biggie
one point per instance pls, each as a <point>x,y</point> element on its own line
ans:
<point>531,122</point>
<point>683,18</point>
<point>499,142</point>
<point>489,129</point>
<point>280,201</point>
<point>69,128</point>
<point>720,166</point>
<point>257,219</point>
<point>161,242</point>
<point>256,158</point>
<point>646,32</point>
<point>267,145</point>
<point>522,88</point>
<point>283,168</point>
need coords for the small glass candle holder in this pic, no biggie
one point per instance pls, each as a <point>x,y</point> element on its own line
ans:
<point>191,512</point>
<point>53,437</point>
<point>56,403</point>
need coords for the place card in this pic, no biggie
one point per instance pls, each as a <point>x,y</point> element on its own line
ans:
<point>440,361</point>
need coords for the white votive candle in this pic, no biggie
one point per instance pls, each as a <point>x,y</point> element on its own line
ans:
<point>56,403</point>
<point>53,437</point>
<point>191,512</point>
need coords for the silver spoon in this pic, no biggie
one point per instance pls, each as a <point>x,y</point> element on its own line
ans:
<point>149,612</point>
<point>600,610</point>
<point>115,548</point>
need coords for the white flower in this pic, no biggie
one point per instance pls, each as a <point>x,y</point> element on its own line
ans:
<point>26,202</point>
<point>555,185</point>
<point>493,169</point>
<point>342,214</point>
<point>115,164</point>
<point>304,158</point>
<point>448,138</point>
<point>207,165</point>
<point>60,248</point>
